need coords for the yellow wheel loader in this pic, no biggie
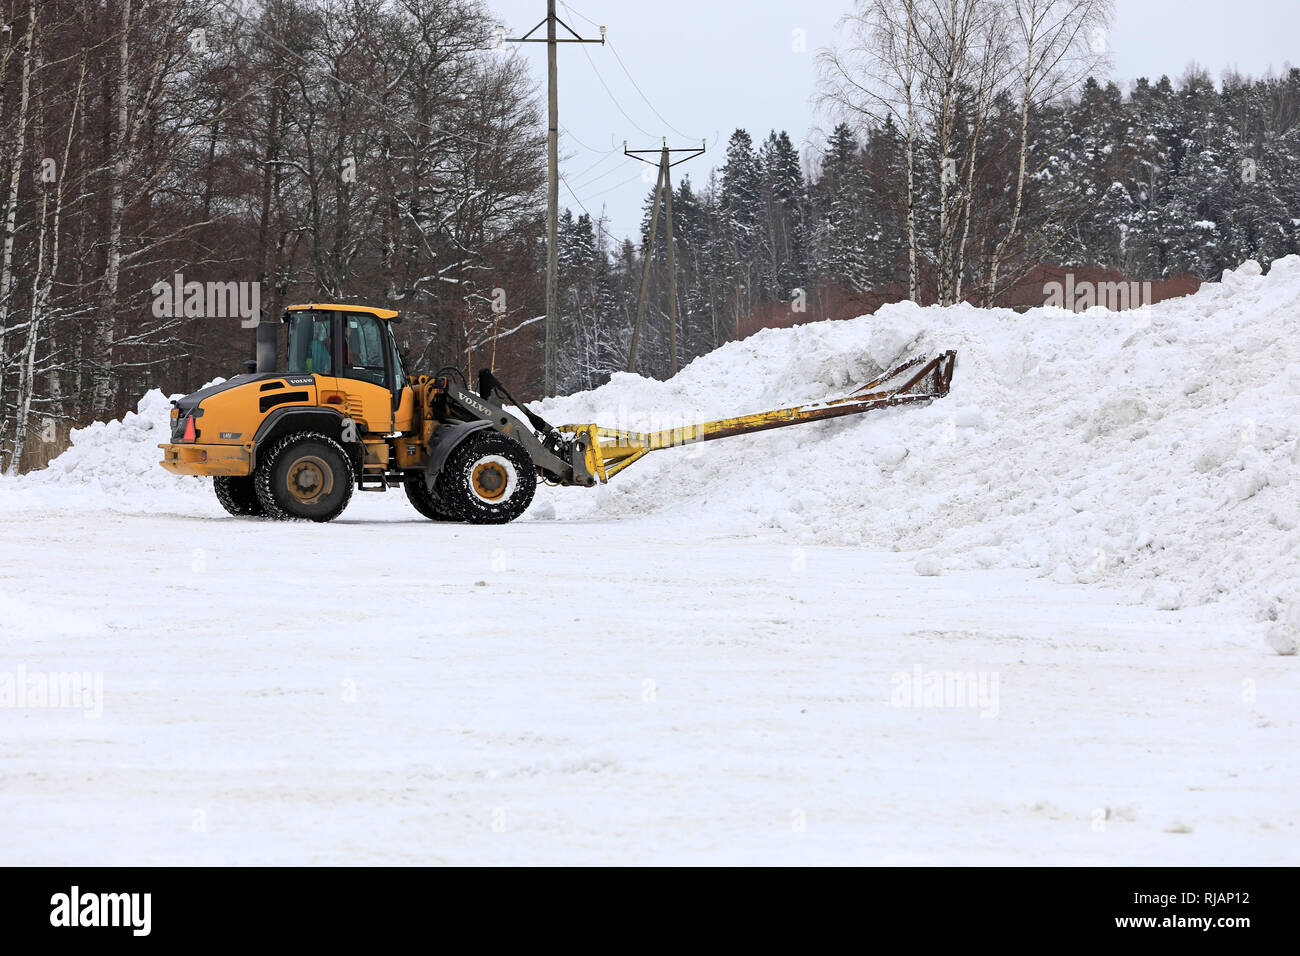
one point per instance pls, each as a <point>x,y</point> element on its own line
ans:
<point>345,414</point>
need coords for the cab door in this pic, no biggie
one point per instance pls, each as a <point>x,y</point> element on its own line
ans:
<point>403,394</point>
<point>362,388</point>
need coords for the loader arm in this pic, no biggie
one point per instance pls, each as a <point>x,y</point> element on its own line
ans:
<point>608,451</point>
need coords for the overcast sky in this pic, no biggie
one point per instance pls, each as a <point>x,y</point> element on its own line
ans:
<point>710,66</point>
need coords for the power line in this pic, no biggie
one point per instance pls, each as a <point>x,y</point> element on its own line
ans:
<point>578,13</point>
<point>604,159</point>
<point>598,223</point>
<point>644,97</point>
<point>631,79</point>
<point>591,149</point>
<point>610,94</point>
<point>616,185</point>
<point>585,184</point>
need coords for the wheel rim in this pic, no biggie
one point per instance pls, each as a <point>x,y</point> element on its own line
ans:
<point>309,480</point>
<point>493,479</point>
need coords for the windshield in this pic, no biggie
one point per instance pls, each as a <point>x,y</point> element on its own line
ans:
<point>309,343</point>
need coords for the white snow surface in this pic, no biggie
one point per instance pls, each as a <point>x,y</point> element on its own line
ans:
<point>699,662</point>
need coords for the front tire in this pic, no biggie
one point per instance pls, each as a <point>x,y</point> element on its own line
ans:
<point>305,476</point>
<point>424,501</point>
<point>238,496</point>
<point>488,479</point>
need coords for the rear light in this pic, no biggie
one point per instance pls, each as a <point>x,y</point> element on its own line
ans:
<point>190,434</point>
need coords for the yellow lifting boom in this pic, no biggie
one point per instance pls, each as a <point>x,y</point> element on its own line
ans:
<point>914,381</point>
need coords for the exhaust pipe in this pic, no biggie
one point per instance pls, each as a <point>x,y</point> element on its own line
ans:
<point>265,346</point>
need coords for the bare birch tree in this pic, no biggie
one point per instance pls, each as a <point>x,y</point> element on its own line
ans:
<point>875,75</point>
<point>962,66</point>
<point>1056,45</point>
<point>43,280</point>
<point>11,198</point>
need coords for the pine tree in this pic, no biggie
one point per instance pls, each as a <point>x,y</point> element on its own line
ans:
<point>738,206</point>
<point>784,206</point>
<point>847,222</point>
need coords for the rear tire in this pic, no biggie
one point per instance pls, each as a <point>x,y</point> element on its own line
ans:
<point>424,501</point>
<point>488,479</point>
<point>305,476</point>
<point>238,496</point>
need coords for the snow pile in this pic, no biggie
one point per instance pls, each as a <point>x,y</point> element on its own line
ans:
<point>1155,447</point>
<point>119,459</point>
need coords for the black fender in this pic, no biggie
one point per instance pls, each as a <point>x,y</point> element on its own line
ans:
<point>290,418</point>
<point>445,440</point>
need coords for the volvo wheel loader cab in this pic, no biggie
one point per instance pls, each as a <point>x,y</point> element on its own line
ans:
<point>345,415</point>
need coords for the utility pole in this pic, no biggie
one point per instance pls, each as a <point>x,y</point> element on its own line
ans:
<point>552,178</point>
<point>664,187</point>
<point>647,255</point>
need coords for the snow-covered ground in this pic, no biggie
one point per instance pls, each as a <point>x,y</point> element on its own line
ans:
<point>387,690</point>
<point>1035,622</point>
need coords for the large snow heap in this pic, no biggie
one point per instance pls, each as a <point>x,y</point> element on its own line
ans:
<point>1156,446</point>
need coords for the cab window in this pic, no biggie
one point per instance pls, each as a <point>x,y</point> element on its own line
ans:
<point>310,342</point>
<point>364,346</point>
